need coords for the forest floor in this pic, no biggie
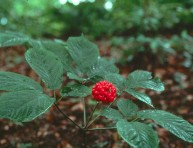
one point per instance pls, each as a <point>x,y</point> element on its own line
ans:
<point>52,130</point>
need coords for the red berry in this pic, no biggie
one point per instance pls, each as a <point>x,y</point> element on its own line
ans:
<point>104,91</point>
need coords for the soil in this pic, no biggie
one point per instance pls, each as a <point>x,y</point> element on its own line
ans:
<point>52,130</point>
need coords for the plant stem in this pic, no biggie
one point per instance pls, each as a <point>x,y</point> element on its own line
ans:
<point>67,116</point>
<point>93,121</point>
<point>86,123</point>
<point>84,113</point>
<point>92,114</point>
<point>99,114</point>
<point>105,128</point>
<point>59,99</point>
<point>112,103</point>
<point>54,94</point>
<point>135,119</point>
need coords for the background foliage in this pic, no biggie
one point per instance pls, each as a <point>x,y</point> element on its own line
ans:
<point>153,27</point>
<point>97,18</point>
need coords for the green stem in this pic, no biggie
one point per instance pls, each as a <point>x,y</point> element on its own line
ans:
<point>105,128</point>
<point>112,103</point>
<point>84,124</point>
<point>135,119</point>
<point>67,116</point>
<point>99,114</point>
<point>54,94</point>
<point>93,121</point>
<point>91,115</point>
<point>84,113</point>
<point>59,99</point>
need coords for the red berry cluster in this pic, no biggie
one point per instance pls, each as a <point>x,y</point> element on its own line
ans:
<point>104,91</point>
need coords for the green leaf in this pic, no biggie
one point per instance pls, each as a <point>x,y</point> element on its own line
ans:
<point>23,106</point>
<point>139,95</point>
<point>111,113</point>
<point>101,68</point>
<point>95,79</point>
<point>137,134</point>
<point>47,65</point>
<point>172,123</point>
<point>127,107</point>
<point>60,50</point>
<point>117,80</point>
<point>74,76</point>
<point>34,43</point>
<point>10,81</point>
<point>75,90</point>
<point>82,51</point>
<point>143,79</point>
<point>12,39</point>
<point>56,47</point>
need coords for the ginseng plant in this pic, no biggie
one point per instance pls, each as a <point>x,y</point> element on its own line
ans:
<point>23,99</point>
